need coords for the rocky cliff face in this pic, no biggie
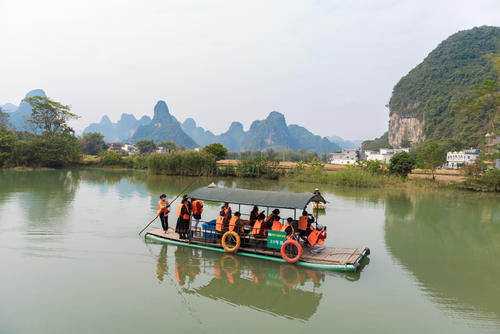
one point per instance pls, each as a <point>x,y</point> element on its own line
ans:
<point>405,126</point>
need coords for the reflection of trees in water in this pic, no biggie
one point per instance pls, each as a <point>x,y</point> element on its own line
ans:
<point>43,194</point>
<point>451,245</point>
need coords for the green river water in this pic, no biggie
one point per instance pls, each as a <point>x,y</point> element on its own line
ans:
<point>71,262</point>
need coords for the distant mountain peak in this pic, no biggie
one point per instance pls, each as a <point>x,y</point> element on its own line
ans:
<point>235,126</point>
<point>36,92</point>
<point>105,120</point>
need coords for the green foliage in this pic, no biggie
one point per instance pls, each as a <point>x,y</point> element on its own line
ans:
<point>170,146</point>
<point>54,151</point>
<point>49,117</point>
<point>258,167</point>
<point>110,158</point>
<point>489,181</point>
<point>146,146</point>
<point>430,157</point>
<point>92,143</point>
<point>377,143</point>
<point>347,177</point>
<point>454,88</point>
<point>218,150</point>
<point>4,119</point>
<point>372,166</point>
<point>189,163</point>
<point>401,164</point>
<point>7,146</point>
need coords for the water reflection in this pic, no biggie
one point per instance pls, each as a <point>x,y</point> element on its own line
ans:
<point>452,247</point>
<point>279,289</point>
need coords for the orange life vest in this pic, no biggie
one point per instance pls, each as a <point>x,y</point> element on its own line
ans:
<point>276,226</point>
<point>219,224</point>
<point>162,208</point>
<point>302,226</point>
<point>312,239</point>
<point>285,226</point>
<point>179,211</point>
<point>257,227</point>
<point>232,223</point>
<point>197,207</point>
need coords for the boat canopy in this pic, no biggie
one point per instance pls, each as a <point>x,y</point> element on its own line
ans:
<point>272,199</point>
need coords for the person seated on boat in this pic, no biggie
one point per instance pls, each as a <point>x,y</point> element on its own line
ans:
<point>268,223</point>
<point>276,225</point>
<point>253,215</point>
<point>183,215</point>
<point>317,236</point>
<point>288,227</point>
<point>305,223</point>
<point>235,223</point>
<point>223,218</point>
<point>258,227</point>
<point>197,211</point>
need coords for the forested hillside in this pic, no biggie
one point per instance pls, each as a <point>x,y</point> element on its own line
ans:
<point>445,98</point>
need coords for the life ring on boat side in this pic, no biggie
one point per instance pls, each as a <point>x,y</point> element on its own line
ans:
<point>287,267</point>
<point>289,244</point>
<point>228,248</point>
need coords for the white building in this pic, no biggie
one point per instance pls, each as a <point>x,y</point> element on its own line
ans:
<point>130,148</point>
<point>383,154</point>
<point>346,157</point>
<point>456,160</point>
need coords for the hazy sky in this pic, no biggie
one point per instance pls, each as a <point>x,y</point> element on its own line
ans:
<point>327,65</point>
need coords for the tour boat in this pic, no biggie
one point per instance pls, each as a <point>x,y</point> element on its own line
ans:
<point>274,245</point>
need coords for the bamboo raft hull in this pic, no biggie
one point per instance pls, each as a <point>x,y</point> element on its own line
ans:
<point>330,258</point>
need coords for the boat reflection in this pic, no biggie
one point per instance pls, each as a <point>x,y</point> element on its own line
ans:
<point>280,289</point>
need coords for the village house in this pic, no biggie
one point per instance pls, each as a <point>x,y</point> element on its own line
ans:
<point>346,157</point>
<point>456,160</point>
<point>383,154</point>
<point>115,147</point>
<point>131,149</point>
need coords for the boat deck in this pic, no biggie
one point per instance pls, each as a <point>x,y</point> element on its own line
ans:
<point>328,256</point>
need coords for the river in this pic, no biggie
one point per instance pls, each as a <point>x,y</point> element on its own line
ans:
<point>72,262</point>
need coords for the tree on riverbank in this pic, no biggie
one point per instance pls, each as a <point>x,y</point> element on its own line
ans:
<point>401,164</point>
<point>92,143</point>
<point>49,117</point>
<point>430,157</point>
<point>218,150</point>
<point>51,145</point>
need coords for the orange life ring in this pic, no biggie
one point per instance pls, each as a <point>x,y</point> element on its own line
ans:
<point>299,251</point>
<point>235,248</point>
<point>283,278</point>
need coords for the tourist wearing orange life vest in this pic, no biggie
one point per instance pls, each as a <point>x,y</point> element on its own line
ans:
<point>287,227</point>
<point>223,218</point>
<point>268,223</point>
<point>183,215</point>
<point>163,210</point>
<point>197,211</point>
<point>276,225</point>
<point>235,223</point>
<point>258,227</point>
<point>305,224</point>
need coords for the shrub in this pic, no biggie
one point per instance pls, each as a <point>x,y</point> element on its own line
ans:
<point>110,158</point>
<point>7,146</point>
<point>188,163</point>
<point>218,150</point>
<point>401,164</point>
